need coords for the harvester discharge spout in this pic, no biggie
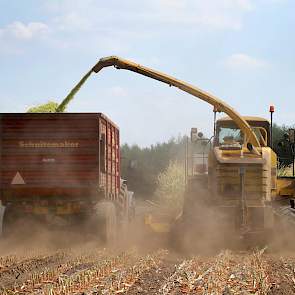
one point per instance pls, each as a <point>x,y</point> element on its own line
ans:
<point>119,63</point>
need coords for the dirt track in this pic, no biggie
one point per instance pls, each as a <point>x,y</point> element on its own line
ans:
<point>89,269</point>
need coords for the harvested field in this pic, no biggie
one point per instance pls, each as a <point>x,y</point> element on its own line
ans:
<point>90,269</point>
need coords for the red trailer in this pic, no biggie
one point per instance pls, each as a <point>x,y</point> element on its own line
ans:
<point>60,164</point>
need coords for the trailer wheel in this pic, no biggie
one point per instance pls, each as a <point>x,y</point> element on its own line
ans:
<point>106,222</point>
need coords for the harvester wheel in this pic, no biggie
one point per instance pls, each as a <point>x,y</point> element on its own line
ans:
<point>106,222</point>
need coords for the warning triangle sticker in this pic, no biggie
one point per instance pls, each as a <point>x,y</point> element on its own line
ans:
<point>17,179</point>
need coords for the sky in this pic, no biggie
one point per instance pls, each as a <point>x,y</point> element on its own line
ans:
<point>242,51</point>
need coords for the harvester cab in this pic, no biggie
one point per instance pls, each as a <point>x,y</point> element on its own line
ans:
<point>228,136</point>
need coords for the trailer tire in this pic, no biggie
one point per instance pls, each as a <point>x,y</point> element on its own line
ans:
<point>106,222</point>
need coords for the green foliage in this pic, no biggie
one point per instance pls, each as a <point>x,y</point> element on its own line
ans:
<point>171,186</point>
<point>278,133</point>
<point>141,166</point>
<point>284,151</point>
<point>49,107</point>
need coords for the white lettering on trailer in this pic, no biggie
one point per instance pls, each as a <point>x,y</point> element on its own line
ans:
<point>18,179</point>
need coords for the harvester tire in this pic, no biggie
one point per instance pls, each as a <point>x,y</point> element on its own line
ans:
<point>106,222</point>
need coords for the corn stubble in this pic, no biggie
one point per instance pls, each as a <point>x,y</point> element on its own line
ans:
<point>102,271</point>
<point>99,272</point>
<point>227,273</point>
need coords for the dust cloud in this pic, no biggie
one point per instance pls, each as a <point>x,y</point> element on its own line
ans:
<point>198,230</point>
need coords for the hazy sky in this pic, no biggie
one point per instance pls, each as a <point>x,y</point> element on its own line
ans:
<point>240,50</point>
